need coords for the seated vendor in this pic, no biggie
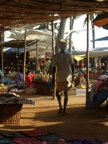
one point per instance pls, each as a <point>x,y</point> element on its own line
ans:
<point>29,79</point>
<point>80,81</point>
<point>3,78</point>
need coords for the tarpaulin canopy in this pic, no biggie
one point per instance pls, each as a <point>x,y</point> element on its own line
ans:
<point>32,35</point>
<point>101,19</point>
<point>9,50</point>
<point>44,38</point>
<point>101,39</point>
<point>97,52</point>
<point>105,26</point>
<point>78,55</point>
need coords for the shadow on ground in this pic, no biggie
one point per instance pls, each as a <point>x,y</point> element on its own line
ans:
<point>79,123</point>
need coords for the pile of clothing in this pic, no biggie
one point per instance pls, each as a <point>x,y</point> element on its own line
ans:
<point>98,92</point>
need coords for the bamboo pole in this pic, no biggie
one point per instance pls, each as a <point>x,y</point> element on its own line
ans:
<point>87,61</point>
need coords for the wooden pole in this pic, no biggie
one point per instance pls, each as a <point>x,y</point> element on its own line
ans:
<point>53,39</point>
<point>53,52</point>
<point>2,64</point>
<point>87,61</point>
<point>36,60</point>
<point>24,64</point>
<point>70,36</point>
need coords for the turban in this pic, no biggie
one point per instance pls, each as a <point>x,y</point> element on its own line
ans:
<point>62,44</point>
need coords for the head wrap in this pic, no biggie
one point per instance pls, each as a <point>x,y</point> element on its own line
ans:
<point>62,44</point>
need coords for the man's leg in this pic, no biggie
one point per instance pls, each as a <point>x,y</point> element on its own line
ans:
<point>65,102</point>
<point>59,101</point>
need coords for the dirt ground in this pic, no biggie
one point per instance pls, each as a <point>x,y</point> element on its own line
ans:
<point>79,123</point>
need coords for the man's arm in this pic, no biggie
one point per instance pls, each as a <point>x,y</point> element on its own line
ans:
<point>53,74</point>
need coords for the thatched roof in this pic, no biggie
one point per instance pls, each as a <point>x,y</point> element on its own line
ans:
<point>22,12</point>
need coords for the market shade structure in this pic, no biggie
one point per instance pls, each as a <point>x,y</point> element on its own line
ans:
<point>18,43</point>
<point>32,35</point>
<point>36,36</point>
<point>16,13</point>
<point>44,38</point>
<point>101,19</point>
<point>27,12</point>
<point>44,41</point>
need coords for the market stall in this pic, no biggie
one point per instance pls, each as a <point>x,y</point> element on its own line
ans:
<point>43,84</point>
<point>41,39</point>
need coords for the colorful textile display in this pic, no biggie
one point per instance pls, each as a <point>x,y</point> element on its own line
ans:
<point>38,136</point>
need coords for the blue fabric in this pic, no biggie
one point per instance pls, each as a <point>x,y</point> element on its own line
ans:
<point>98,99</point>
<point>6,80</point>
<point>85,141</point>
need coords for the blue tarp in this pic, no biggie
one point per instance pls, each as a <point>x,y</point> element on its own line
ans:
<point>101,39</point>
<point>21,50</point>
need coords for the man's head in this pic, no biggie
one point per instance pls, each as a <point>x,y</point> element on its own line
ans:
<point>62,44</point>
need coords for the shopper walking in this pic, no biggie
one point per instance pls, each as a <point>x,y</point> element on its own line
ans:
<point>63,67</point>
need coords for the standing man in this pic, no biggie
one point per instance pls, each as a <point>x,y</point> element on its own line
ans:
<point>63,67</point>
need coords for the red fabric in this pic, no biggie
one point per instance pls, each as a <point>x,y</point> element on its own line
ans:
<point>29,79</point>
<point>98,85</point>
<point>36,132</point>
<point>27,141</point>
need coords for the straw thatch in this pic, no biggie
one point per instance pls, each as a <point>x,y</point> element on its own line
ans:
<point>23,12</point>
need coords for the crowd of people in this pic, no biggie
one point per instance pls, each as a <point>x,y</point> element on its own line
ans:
<point>34,67</point>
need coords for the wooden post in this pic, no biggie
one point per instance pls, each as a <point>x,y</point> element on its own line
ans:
<point>53,52</point>
<point>87,61</point>
<point>24,63</point>
<point>2,64</point>
<point>36,60</point>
